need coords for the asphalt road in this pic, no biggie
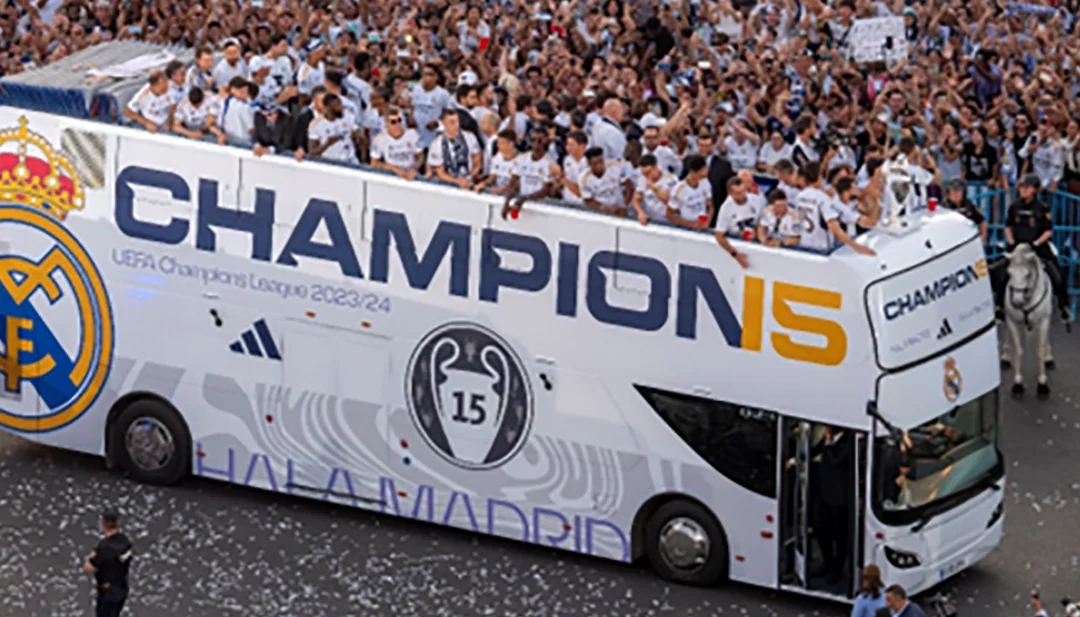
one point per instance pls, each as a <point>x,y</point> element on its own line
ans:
<point>211,550</point>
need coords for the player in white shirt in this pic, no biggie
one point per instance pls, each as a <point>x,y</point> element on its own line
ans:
<point>575,164</point>
<point>312,72</point>
<point>846,205</point>
<point>356,82</point>
<point>396,149</point>
<point>270,94</point>
<point>192,116</point>
<point>773,151</point>
<point>331,135</point>
<point>817,215</point>
<point>778,225</point>
<point>150,106</point>
<point>428,103</point>
<point>503,165</point>
<point>231,65</point>
<point>605,187</point>
<point>666,158</point>
<point>534,175</point>
<point>454,156</point>
<point>740,211</point>
<point>282,69</point>
<point>237,117</point>
<point>199,75</point>
<point>175,73</point>
<point>691,204</point>
<point>787,180</point>
<point>741,146</point>
<point>652,191</point>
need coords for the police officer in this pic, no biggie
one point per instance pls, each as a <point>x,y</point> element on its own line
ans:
<point>109,564</point>
<point>956,199</point>
<point>1029,221</point>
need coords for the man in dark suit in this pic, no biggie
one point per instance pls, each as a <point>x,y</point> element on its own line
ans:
<point>464,98</point>
<point>297,141</point>
<point>273,130</point>
<point>899,605</point>
<point>720,170</point>
<point>834,487</point>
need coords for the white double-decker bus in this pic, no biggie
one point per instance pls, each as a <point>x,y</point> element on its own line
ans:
<point>566,378</point>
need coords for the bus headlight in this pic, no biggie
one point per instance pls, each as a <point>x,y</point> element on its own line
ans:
<point>998,512</point>
<point>902,560</point>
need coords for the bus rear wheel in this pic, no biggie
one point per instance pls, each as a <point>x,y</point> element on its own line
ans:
<point>686,545</point>
<point>151,442</point>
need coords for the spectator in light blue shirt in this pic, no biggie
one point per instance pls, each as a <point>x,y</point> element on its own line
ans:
<point>871,593</point>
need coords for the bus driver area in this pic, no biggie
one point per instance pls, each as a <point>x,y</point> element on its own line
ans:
<point>331,337</point>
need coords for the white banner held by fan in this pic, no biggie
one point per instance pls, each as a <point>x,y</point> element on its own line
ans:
<point>868,40</point>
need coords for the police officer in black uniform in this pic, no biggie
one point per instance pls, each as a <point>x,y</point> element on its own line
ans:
<point>1029,221</point>
<point>109,563</point>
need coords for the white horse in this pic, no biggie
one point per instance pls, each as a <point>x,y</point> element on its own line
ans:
<point>1029,302</point>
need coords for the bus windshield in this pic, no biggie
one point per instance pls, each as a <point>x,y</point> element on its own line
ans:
<point>933,464</point>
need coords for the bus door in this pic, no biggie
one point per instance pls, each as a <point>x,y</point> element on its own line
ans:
<point>822,508</point>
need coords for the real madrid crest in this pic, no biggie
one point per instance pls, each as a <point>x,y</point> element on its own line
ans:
<point>469,395</point>
<point>952,382</point>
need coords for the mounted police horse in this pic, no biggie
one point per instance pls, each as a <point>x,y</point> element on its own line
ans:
<point>1029,303</point>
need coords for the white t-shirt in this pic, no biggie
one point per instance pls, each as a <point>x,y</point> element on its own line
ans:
<point>846,214</point>
<point>770,156</point>
<point>307,77</point>
<point>532,174</point>
<point>573,171</point>
<point>607,189</point>
<point>813,208</point>
<point>399,152</point>
<point>650,203</point>
<point>282,71</point>
<point>666,159</point>
<point>691,203</point>
<point>435,153</point>
<point>504,169</point>
<point>153,107</point>
<point>780,228</point>
<point>427,107</point>
<point>191,117</point>
<point>322,130</point>
<point>737,218</point>
<point>741,156</point>
<point>224,72</point>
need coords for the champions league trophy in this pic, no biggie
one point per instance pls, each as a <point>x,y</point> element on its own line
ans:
<point>898,198</point>
<point>470,404</point>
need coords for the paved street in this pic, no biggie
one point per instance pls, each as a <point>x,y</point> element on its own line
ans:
<point>211,550</point>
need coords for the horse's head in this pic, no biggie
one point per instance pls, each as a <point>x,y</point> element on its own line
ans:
<point>1023,268</point>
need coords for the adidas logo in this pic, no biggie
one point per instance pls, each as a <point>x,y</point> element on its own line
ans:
<point>945,330</point>
<point>249,342</point>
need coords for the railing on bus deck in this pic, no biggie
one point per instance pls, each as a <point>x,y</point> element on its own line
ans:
<point>1065,213</point>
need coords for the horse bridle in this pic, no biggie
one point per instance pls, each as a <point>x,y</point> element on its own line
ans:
<point>1027,292</point>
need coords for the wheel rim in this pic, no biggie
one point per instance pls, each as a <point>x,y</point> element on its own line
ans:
<point>149,444</point>
<point>684,544</point>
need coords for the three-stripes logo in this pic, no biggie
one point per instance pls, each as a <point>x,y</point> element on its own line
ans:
<point>945,330</point>
<point>257,342</point>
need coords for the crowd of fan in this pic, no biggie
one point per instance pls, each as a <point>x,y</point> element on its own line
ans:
<point>659,109</point>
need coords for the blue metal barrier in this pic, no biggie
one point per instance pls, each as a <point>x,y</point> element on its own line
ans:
<point>1065,213</point>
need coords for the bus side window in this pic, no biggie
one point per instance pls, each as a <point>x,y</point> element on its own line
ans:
<point>736,440</point>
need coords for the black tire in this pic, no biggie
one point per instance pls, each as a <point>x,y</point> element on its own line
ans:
<point>172,469</point>
<point>715,568</point>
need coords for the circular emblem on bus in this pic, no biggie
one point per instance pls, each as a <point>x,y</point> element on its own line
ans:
<point>953,382</point>
<point>57,334</point>
<point>469,395</point>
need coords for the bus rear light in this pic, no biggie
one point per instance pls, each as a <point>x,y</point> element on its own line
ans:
<point>767,535</point>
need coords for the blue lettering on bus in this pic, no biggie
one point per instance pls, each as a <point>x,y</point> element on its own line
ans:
<point>449,247</point>
<point>537,525</point>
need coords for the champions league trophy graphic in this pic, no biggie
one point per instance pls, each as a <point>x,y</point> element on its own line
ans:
<point>469,396</point>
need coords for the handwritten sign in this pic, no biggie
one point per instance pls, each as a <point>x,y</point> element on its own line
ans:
<point>868,41</point>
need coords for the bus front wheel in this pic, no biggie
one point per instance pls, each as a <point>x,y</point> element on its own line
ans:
<point>686,545</point>
<point>151,442</point>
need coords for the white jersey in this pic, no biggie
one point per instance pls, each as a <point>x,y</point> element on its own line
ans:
<point>845,213</point>
<point>533,174</point>
<point>607,189</point>
<point>780,227</point>
<point>504,169</point>
<point>812,206</point>
<point>400,152</point>
<point>573,170</point>
<point>307,77</point>
<point>428,107</point>
<point>268,93</point>
<point>282,71</point>
<point>735,218</point>
<point>191,117</point>
<point>741,156</point>
<point>322,130</point>
<point>224,72</point>
<point>153,107</point>
<point>176,92</point>
<point>358,91</point>
<point>790,191</point>
<point>769,156</point>
<point>666,159</point>
<point>650,203</point>
<point>199,79</point>
<point>691,202</point>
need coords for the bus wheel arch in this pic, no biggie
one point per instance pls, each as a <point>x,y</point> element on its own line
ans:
<point>667,511</point>
<point>169,429</point>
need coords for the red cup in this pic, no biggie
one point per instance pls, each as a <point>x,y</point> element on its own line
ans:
<point>704,218</point>
<point>484,42</point>
<point>514,214</point>
<point>747,235</point>
<point>931,204</point>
